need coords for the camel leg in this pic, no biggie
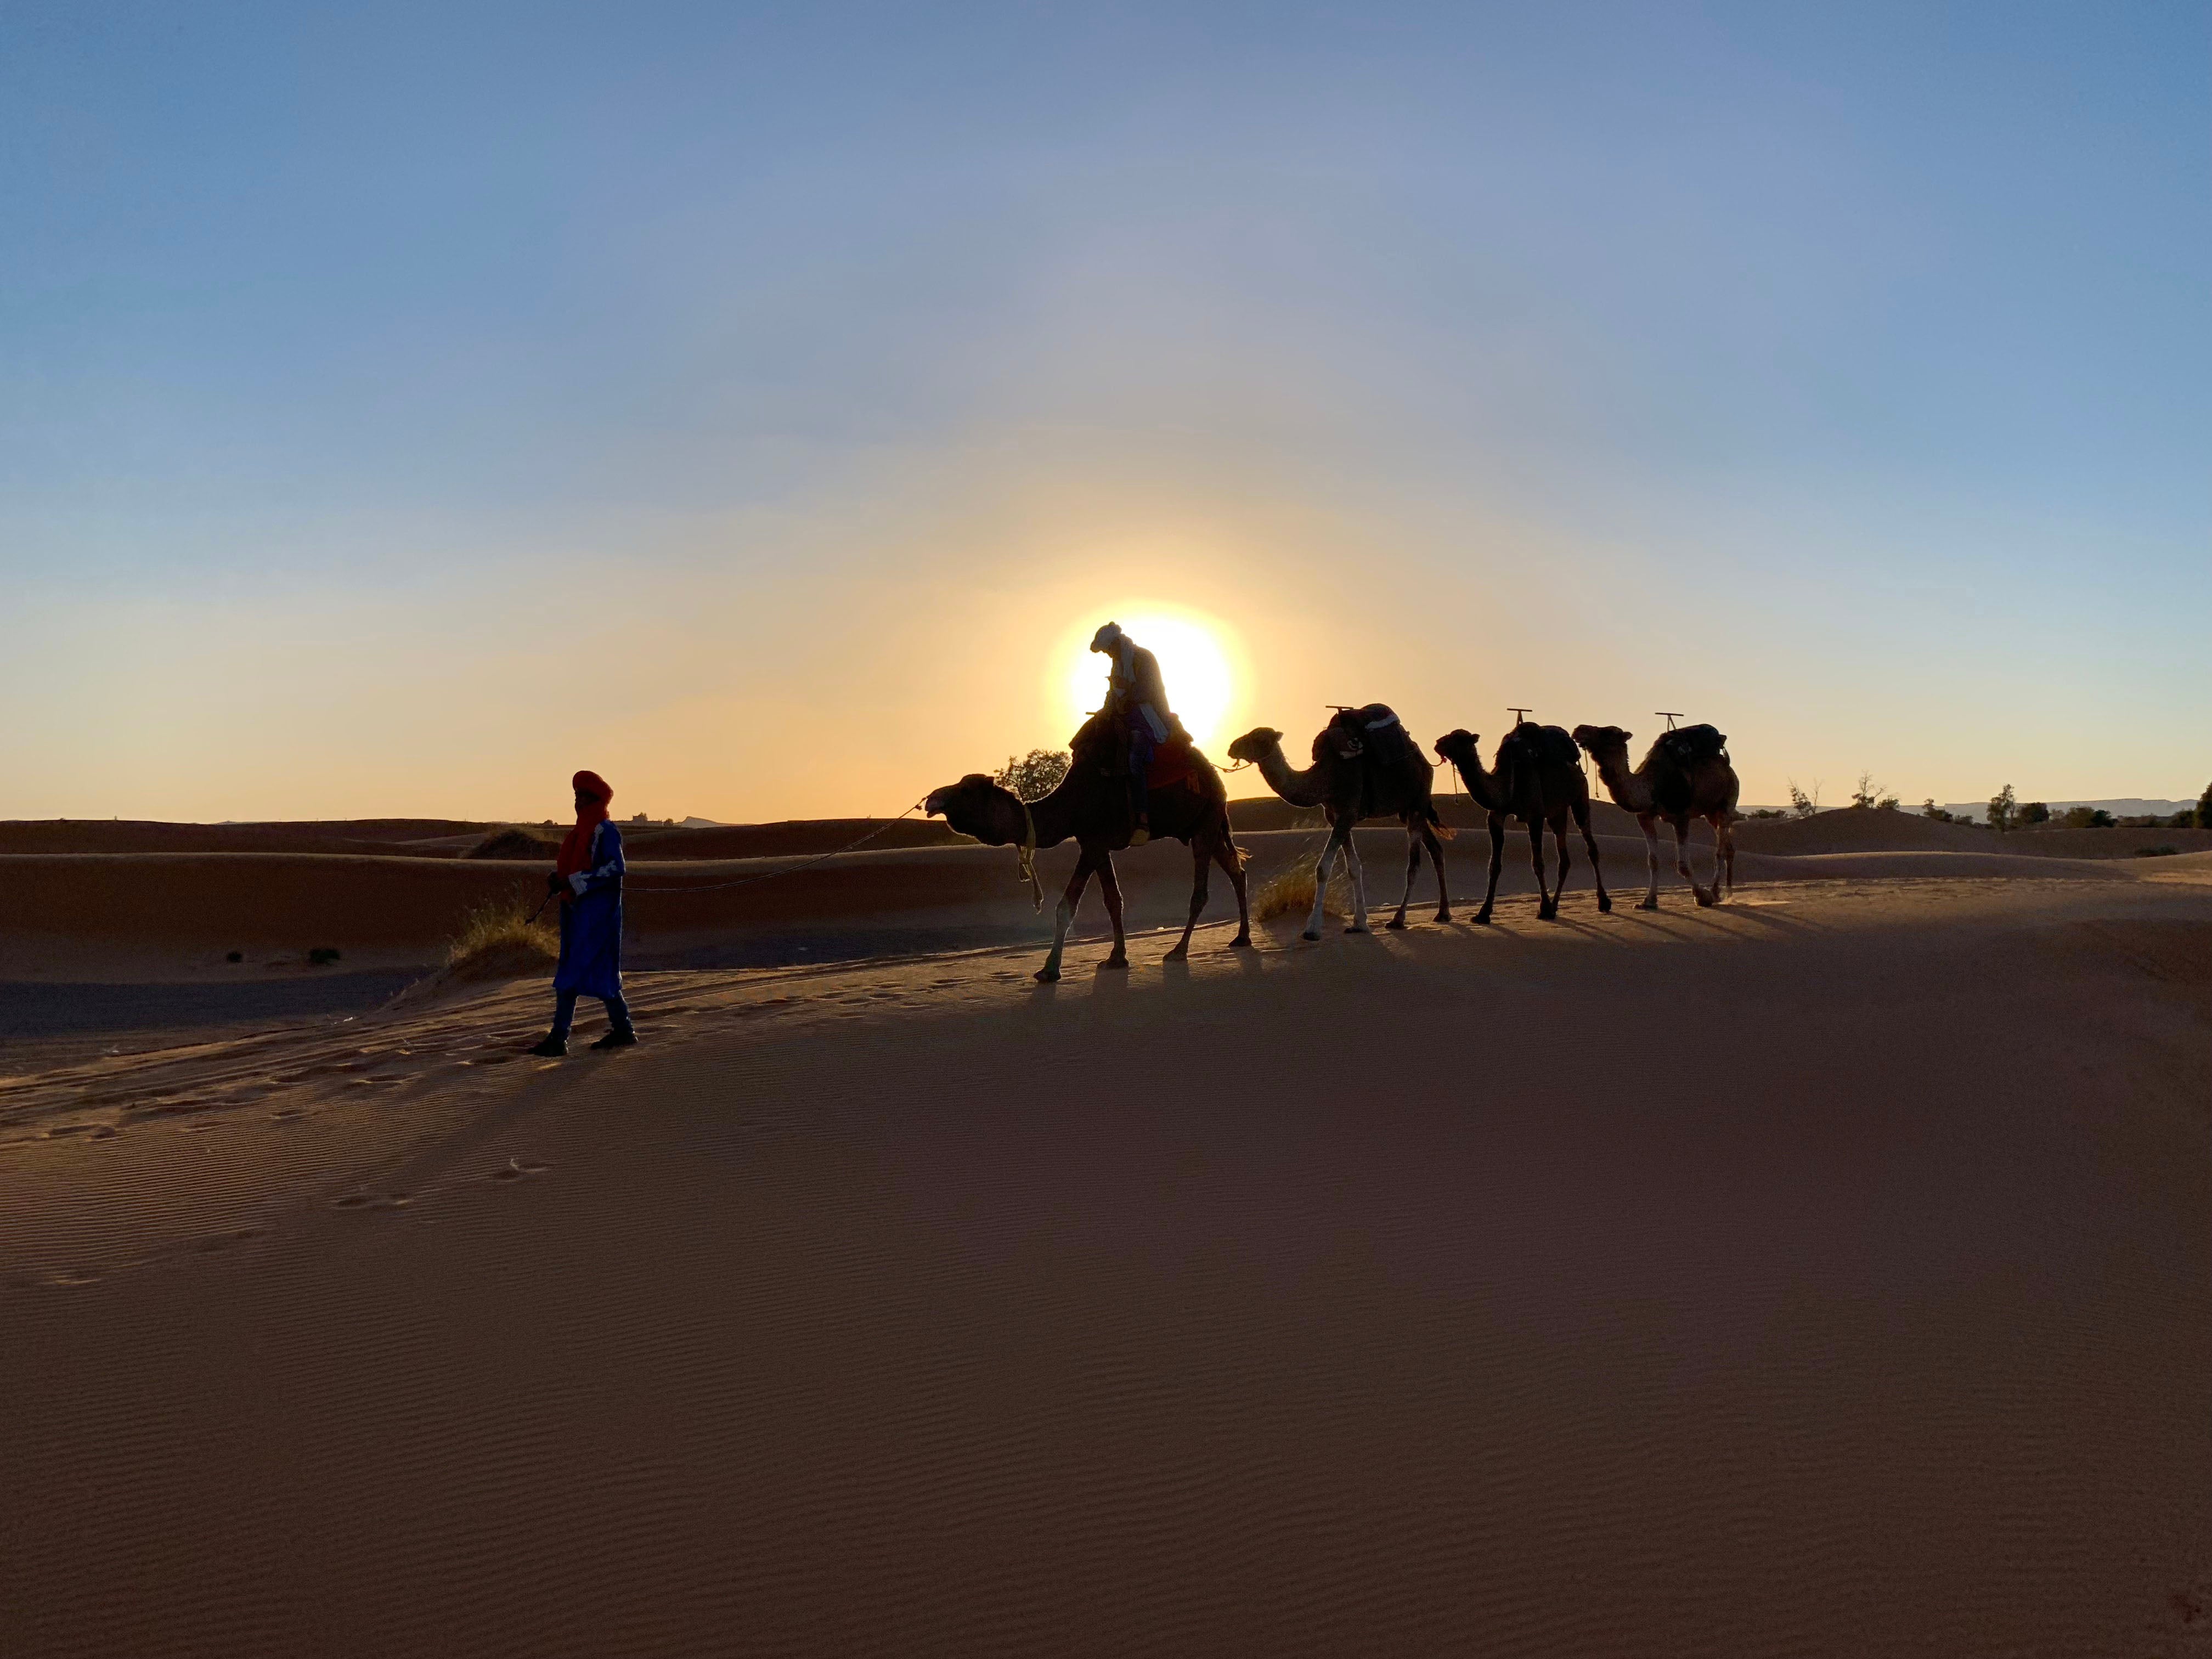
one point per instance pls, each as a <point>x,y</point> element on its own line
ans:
<point>1064,916</point>
<point>1320,879</point>
<point>1397,923</point>
<point>1496,864</point>
<point>1597,870</point>
<point>1705,900</point>
<point>1727,834</point>
<point>1109,884</point>
<point>1559,845</point>
<point>1437,856</point>
<point>1547,907</point>
<point>1226,852</point>
<point>1202,855</point>
<point>1359,924</point>
<point>1651,827</point>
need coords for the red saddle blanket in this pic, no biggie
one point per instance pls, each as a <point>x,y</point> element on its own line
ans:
<point>1171,764</point>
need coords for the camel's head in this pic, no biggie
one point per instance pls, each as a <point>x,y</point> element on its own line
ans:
<point>1256,743</point>
<point>1459,748</point>
<point>977,807</point>
<point>1603,744</point>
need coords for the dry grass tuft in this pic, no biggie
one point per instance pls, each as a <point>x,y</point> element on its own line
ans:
<point>500,941</point>
<point>1290,893</point>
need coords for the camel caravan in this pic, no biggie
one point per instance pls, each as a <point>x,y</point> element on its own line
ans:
<point>1134,775</point>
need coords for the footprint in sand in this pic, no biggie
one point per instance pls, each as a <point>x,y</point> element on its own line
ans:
<point>517,1168</point>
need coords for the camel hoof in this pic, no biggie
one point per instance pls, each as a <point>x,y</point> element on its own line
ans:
<point>1443,916</point>
<point>1354,927</point>
<point>1649,904</point>
<point>1241,942</point>
<point>1181,953</point>
<point>1113,962</point>
<point>1397,927</point>
<point>1048,976</point>
<point>1310,937</point>
<point>1604,904</point>
<point>1483,919</point>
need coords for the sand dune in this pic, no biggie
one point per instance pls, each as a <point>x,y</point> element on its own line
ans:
<point>1823,1274</point>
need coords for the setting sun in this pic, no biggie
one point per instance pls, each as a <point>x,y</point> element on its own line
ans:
<point>1198,658</point>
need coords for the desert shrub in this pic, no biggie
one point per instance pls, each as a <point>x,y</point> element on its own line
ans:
<point>1803,804</point>
<point>513,841</point>
<point>499,940</point>
<point>1868,795</point>
<point>2030,812</point>
<point>2086,817</point>
<point>1034,775</point>
<point>1928,808</point>
<point>1767,812</point>
<point>1290,893</point>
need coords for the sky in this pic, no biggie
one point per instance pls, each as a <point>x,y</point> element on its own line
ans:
<point>403,406</point>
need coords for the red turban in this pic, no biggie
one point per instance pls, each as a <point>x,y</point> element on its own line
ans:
<point>576,848</point>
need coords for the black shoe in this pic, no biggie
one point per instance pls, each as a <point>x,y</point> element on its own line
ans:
<point>551,1047</point>
<point>624,1038</point>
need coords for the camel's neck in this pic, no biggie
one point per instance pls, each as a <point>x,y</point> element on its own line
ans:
<point>1305,789</point>
<point>1631,790</point>
<point>1482,787</point>
<point>1056,815</point>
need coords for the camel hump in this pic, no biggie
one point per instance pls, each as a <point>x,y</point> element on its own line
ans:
<point>1691,744</point>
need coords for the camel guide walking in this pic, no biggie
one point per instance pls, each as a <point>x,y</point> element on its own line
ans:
<point>1137,697</point>
<point>588,877</point>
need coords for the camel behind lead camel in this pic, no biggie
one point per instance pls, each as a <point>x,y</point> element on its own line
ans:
<point>1365,765</point>
<point>1092,804</point>
<point>1685,775</point>
<point>1539,780</point>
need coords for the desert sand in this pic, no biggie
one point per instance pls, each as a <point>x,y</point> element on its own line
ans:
<point>1825,1274</point>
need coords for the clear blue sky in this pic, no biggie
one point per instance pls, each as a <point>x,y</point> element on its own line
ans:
<point>402,405</point>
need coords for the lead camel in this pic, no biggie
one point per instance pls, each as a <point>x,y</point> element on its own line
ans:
<point>1185,801</point>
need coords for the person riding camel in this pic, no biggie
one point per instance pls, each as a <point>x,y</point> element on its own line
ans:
<point>1137,698</point>
<point>588,877</point>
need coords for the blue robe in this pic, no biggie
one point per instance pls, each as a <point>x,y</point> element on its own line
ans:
<point>592,924</point>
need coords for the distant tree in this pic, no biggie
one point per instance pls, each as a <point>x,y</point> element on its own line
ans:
<point>1803,804</point>
<point>2002,806</point>
<point>2100,819</point>
<point>1928,808</point>
<point>1035,775</point>
<point>1767,812</point>
<point>2187,818</point>
<point>2204,808</point>
<point>1867,793</point>
<point>2033,811</point>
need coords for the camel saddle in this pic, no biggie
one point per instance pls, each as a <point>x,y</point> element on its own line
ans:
<point>1376,734</point>
<point>1689,745</point>
<point>1104,743</point>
